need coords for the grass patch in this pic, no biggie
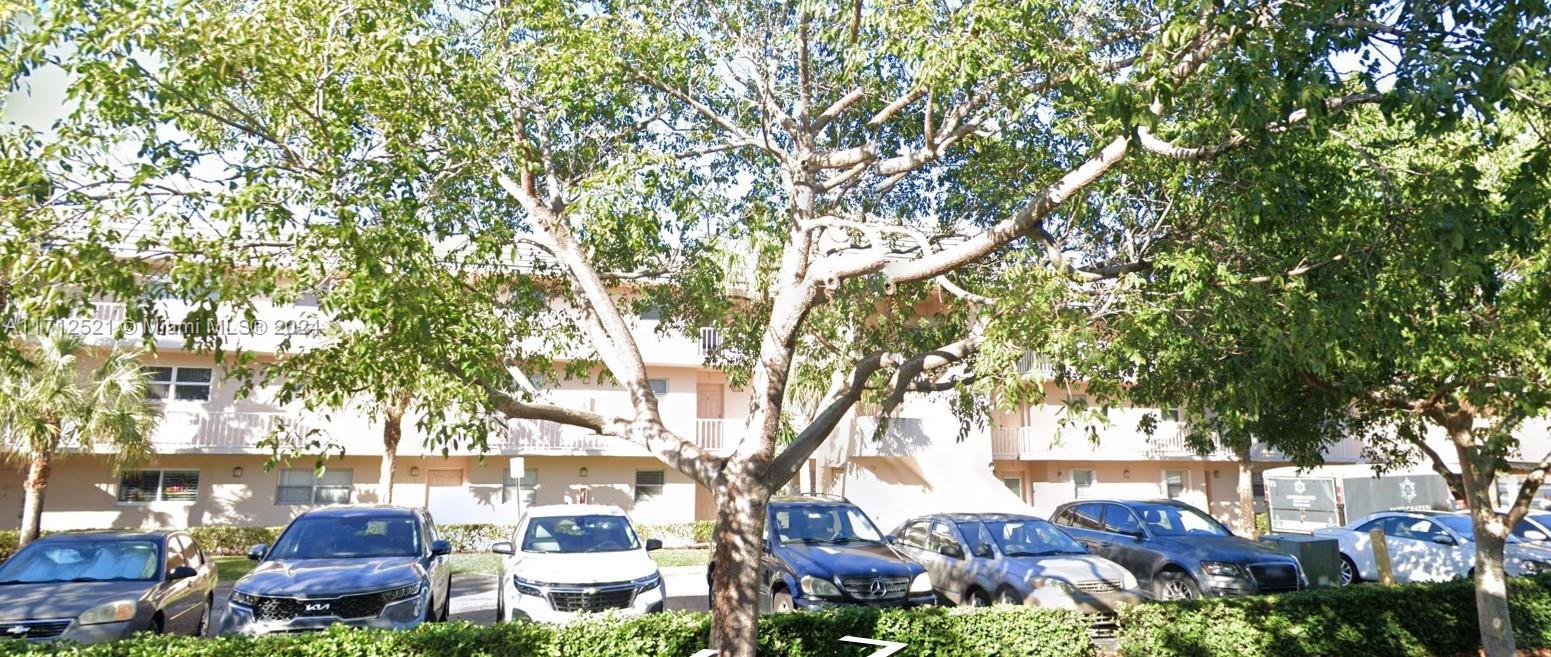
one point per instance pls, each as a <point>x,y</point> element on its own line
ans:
<point>667,558</point>
<point>232,569</point>
<point>476,563</point>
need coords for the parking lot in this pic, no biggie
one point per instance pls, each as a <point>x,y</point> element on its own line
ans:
<point>474,594</point>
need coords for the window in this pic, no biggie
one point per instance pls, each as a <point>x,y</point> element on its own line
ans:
<point>1082,482</point>
<point>1174,483</point>
<point>942,536</point>
<point>1257,483</point>
<point>653,313</point>
<point>1170,414</point>
<point>192,555</point>
<point>137,486</point>
<point>648,485</point>
<point>179,383</point>
<point>1088,516</point>
<point>298,486</point>
<point>176,552</point>
<point>915,535</point>
<point>1120,520</point>
<point>1014,484</point>
<point>979,539</point>
<point>659,386</point>
<point>522,489</point>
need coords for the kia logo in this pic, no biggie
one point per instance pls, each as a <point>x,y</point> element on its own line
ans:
<point>878,588</point>
<point>321,606</point>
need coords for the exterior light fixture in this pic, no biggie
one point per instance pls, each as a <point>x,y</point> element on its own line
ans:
<point>582,473</point>
<point>414,472</point>
<point>237,472</point>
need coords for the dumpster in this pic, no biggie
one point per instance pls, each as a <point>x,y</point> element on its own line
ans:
<point>1319,556</point>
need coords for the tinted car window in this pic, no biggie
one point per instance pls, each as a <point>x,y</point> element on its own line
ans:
<point>1029,537</point>
<point>942,536</point>
<point>1089,516</point>
<point>914,535</point>
<point>1374,524</point>
<point>979,539</point>
<point>1524,529</point>
<point>82,560</point>
<point>177,551</point>
<point>348,537</point>
<point>1120,520</point>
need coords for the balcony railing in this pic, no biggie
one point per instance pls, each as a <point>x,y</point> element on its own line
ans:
<point>1074,443</point>
<point>710,341</point>
<point>717,434</point>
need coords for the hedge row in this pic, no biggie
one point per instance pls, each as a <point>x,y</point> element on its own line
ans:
<point>227,541</point>
<point>995,632</point>
<point>1414,620</point>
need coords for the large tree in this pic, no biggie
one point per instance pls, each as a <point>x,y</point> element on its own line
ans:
<point>897,192</point>
<point>55,400</point>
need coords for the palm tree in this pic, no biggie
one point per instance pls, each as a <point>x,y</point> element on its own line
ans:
<point>51,401</point>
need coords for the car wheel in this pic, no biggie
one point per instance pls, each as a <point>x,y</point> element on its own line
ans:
<point>977,598</point>
<point>447,602</point>
<point>1175,585</point>
<point>158,625</point>
<point>781,601</point>
<point>1008,597</point>
<point>204,619</point>
<point>1349,574</point>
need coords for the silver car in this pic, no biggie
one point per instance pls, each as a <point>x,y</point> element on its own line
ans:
<point>981,559</point>
<point>100,586</point>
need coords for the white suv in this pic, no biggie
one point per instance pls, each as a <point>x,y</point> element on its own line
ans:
<point>568,559</point>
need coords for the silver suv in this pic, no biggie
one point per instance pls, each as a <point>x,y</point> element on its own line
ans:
<point>371,566</point>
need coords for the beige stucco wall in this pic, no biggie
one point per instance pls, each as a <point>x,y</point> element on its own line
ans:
<point>1210,485</point>
<point>82,492</point>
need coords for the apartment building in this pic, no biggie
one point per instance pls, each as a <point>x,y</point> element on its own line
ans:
<point>211,467</point>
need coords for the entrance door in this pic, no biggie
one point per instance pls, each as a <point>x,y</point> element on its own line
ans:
<point>708,414</point>
<point>445,497</point>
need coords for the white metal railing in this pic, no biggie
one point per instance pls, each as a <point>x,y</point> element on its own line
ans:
<point>718,433</point>
<point>710,340</point>
<point>551,436</point>
<point>1035,364</point>
<point>1005,443</point>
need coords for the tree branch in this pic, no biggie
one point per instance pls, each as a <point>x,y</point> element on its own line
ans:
<point>790,460</point>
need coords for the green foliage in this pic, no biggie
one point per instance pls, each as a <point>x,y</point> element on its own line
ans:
<point>225,540</point>
<point>931,632</point>
<point>1417,620</point>
<point>9,540</point>
<point>680,534</point>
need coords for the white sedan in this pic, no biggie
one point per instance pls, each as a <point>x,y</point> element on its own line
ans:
<point>1425,546</point>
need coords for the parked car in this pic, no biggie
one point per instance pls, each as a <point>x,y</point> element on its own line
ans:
<point>821,551</point>
<point>1425,546</point>
<point>1535,528</point>
<point>1177,551</point>
<point>364,566</point>
<point>92,587</point>
<point>976,559</point>
<point>569,559</point>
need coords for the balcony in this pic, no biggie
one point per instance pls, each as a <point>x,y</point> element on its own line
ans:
<point>718,434</point>
<point>1114,444</point>
<point>542,438</point>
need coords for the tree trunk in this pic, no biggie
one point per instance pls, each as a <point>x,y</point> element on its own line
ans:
<point>1494,623</point>
<point>739,555</point>
<point>392,431</point>
<point>1247,495</point>
<point>32,505</point>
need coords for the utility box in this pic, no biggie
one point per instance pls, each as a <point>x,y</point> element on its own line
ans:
<point>1320,557</point>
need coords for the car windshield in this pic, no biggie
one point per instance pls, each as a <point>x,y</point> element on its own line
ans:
<point>82,561</point>
<point>824,523</point>
<point>348,537</point>
<point>1025,537</point>
<point>1460,525</point>
<point>572,534</point>
<point>1175,520</point>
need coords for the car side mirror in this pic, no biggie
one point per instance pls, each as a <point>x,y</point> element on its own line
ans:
<point>653,544</point>
<point>890,539</point>
<point>953,551</point>
<point>440,548</point>
<point>257,552</point>
<point>503,547</point>
<point>1445,540</point>
<point>181,572</point>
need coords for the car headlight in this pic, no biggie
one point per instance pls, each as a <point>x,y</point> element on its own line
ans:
<point>401,593</point>
<point>1221,569</point>
<point>1054,583</point>
<point>1128,581</point>
<point>112,612</point>
<point>527,587</point>
<point>921,584</point>
<point>244,599</point>
<point>819,588</point>
<point>648,583</point>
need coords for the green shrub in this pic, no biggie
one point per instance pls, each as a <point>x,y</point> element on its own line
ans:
<point>1360,621</point>
<point>474,537</point>
<point>683,534</point>
<point>227,541</point>
<point>9,540</point>
<point>935,632</point>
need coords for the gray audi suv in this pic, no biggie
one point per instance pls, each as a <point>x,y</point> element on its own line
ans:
<point>364,566</point>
